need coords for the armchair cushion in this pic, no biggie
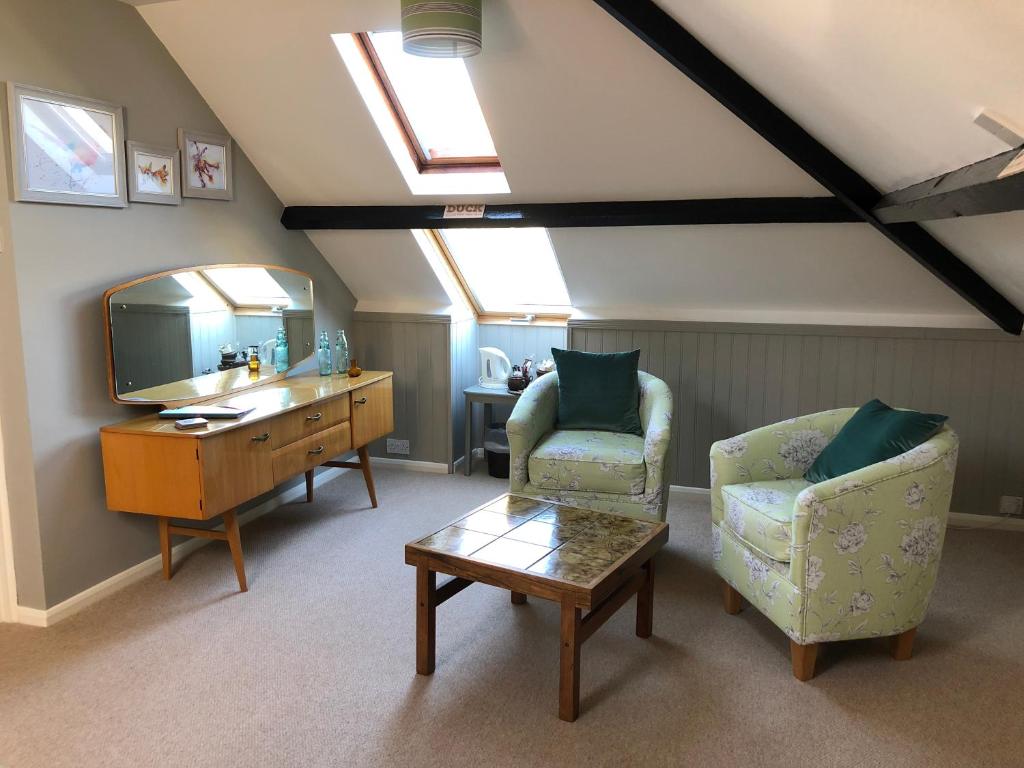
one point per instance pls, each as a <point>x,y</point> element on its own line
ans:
<point>761,514</point>
<point>603,462</point>
<point>874,433</point>
<point>598,390</point>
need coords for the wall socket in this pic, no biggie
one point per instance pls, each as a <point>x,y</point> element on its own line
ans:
<point>1011,506</point>
<point>398,446</point>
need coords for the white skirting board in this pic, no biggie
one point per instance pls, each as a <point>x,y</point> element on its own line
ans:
<point>44,618</point>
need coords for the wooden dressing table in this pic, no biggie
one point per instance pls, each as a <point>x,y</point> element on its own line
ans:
<point>297,424</point>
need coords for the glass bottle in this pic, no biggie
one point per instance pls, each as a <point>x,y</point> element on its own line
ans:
<point>254,359</point>
<point>281,351</point>
<point>323,355</point>
<point>341,353</point>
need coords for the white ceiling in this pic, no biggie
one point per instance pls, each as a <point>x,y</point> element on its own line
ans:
<point>580,109</point>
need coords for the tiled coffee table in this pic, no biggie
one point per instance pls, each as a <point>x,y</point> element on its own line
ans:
<point>581,559</point>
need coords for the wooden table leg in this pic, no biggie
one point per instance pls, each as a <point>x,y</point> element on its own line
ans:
<point>518,598</point>
<point>309,486</point>
<point>569,679</point>
<point>645,602</point>
<point>468,459</point>
<point>364,464</point>
<point>165,545</point>
<point>235,543</point>
<point>426,615</point>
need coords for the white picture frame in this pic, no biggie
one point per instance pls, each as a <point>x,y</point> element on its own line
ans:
<point>153,174</point>
<point>206,167</point>
<point>66,149</point>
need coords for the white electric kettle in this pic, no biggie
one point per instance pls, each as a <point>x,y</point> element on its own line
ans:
<point>495,368</point>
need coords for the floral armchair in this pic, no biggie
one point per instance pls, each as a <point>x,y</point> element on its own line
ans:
<point>605,471</point>
<point>851,557</point>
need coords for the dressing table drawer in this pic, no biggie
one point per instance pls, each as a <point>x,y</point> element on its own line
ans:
<point>311,452</point>
<point>307,421</point>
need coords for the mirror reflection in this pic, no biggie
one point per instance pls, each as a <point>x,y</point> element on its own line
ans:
<point>208,331</point>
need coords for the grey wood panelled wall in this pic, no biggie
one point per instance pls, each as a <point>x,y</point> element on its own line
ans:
<point>729,378</point>
<point>465,372</point>
<point>418,349</point>
<point>516,341</point>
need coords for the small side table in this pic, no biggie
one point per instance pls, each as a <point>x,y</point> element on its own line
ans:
<point>487,396</point>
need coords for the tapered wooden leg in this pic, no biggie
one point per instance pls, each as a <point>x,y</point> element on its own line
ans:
<point>645,603</point>
<point>235,543</point>
<point>731,598</point>
<point>901,646</point>
<point>518,598</point>
<point>364,463</point>
<point>569,679</point>
<point>803,657</point>
<point>309,486</point>
<point>426,614</point>
<point>165,545</point>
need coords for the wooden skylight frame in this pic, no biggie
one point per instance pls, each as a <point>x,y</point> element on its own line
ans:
<point>424,164</point>
<point>482,315</point>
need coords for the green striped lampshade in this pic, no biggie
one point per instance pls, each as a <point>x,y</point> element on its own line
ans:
<point>441,30</point>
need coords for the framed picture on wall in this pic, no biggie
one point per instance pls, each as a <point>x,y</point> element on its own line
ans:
<point>66,149</point>
<point>205,165</point>
<point>153,174</point>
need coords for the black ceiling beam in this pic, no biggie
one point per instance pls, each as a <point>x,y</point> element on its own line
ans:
<point>634,213</point>
<point>681,49</point>
<point>973,190</point>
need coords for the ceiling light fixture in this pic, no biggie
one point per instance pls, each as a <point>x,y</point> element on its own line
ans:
<point>442,30</point>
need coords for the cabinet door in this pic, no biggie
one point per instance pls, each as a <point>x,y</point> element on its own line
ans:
<point>372,412</point>
<point>236,465</point>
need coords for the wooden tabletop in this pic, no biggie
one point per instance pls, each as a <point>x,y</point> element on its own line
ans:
<point>554,548</point>
<point>271,399</point>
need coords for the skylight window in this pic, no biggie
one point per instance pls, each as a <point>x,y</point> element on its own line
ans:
<point>509,271</point>
<point>249,287</point>
<point>427,113</point>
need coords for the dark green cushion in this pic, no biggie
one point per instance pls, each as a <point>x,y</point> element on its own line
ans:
<point>598,390</point>
<point>874,433</point>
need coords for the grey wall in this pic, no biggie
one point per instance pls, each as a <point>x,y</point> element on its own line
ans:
<point>66,256</point>
<point>418,349</point>
<point>518,342</point>
<point>465,373</point>
<point>727,379</point>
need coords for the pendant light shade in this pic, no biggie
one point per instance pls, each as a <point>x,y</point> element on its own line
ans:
<point>441,30</point>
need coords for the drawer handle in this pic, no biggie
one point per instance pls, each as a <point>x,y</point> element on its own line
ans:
<point>261,438</point>
<point>316,451</point>
<point>315,417</point>
<point>361,401</point>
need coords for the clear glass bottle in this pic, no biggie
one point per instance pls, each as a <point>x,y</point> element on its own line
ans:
<point>323,355</point>
<point>281,351</point>
<point>341,353</point>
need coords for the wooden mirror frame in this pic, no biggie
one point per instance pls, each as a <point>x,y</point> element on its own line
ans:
<point>109,337</point>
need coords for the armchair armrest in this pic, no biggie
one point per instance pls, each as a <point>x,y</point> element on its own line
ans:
<point>656,420</point>
<point>777,452</point>
<point>866,544</point>
<point>534,415</point>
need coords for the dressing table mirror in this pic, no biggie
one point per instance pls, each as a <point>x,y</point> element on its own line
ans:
<point>184,336</point>
<point>176,338</point>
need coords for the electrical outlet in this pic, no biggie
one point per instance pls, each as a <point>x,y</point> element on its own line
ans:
<point>398,446</point>
<point>1011,506</point>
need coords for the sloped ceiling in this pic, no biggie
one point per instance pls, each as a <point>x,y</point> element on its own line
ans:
<point>582,110</point>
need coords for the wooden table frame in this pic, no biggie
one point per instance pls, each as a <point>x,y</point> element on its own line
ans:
<point>632,575</point>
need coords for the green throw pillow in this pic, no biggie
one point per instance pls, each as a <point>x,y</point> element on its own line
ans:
<point>598,390</point>
<point>874,433</point>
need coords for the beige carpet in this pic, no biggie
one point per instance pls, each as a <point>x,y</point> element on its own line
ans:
<point>315,665</point>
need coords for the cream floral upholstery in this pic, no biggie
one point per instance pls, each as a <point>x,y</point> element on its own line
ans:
<point>604,471</point>
<point>855,556</point>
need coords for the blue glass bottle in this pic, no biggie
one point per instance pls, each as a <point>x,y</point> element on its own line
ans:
<point>323,355</point>
<point>281,351</point>
<point>341,353</point>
